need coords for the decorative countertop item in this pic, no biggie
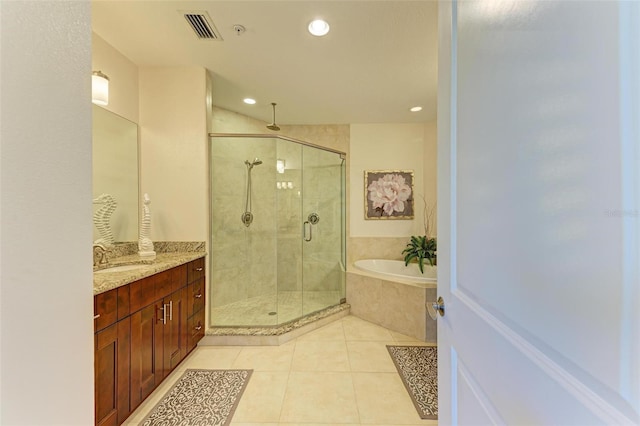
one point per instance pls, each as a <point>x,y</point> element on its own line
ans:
<point>102,218</point>
<point>145,245</point>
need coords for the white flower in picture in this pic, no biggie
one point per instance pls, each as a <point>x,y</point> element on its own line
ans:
<point>389,194</point>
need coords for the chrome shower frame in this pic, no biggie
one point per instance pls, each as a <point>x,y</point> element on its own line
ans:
<point>342,154</point>
<point>305,286</point>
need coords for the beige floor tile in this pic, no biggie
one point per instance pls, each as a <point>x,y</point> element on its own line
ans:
<point>210,357</point>
<point>372,357</point>
<point>262,399</point>
<point>152,400</point>
<point>319,398</point>
<point>333,331</point>
<point>358,329</point>
<point>383,399</point>
<point>266,358</point>
<point>421,422</point>
<point>311,355</point>
<point>254,424</point>
<point>404,339</point>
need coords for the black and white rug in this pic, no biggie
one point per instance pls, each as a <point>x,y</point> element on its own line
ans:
<point>200,398</point>
<point>418,369</point>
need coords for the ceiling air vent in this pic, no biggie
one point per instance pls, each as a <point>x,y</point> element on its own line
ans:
<point>203,27</point>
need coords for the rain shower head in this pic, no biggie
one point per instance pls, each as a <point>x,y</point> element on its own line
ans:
<point>273,125</point>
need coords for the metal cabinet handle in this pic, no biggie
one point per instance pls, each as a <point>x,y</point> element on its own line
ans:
<point>198,296</point>
<point>95,317</point>
<point>199,269</point>
<point>170,305</point>
<point>198,328</point>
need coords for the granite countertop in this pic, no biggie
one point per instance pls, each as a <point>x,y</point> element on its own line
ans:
<point>105,281</point>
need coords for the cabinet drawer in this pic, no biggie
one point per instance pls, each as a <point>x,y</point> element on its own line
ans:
<point>105,309</point>
<point>178,277</point>
<point>163,284</point>
<point>195,270</point>
<point>196,297</point>
<point>142,293</point>
<point>195,324</point>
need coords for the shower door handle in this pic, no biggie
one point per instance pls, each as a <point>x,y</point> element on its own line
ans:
<point>306,222</point>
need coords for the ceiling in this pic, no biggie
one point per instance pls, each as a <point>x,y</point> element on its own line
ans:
<point>378,60</point>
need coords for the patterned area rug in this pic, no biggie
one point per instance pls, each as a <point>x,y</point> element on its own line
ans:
<point>418,369</point>
<point>200,398</point>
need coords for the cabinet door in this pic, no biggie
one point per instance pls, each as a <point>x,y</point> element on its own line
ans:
<point>175,329</point>
<point>146,351</point>
<point>196,329</point>
<point>112,352</point>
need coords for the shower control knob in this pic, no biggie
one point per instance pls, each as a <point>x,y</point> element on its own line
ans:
<point>247,218</point>
<point>313,218</point>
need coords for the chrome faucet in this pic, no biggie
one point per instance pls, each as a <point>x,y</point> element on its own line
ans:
<point>99,255</point>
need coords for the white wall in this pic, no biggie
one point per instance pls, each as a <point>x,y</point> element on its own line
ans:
<point>123,78</point>
<point>46,300</point>
<point>431,172</point>
<point>385,147</point>
<point>174,164</point>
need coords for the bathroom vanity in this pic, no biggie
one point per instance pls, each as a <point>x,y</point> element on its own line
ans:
<point>146,320</point>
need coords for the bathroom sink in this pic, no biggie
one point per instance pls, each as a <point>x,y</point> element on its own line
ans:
<point>121,268</point>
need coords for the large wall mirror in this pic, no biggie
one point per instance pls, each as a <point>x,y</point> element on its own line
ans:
<point>115,171</point>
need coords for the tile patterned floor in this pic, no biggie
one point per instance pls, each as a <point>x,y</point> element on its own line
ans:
<point>340,374</point>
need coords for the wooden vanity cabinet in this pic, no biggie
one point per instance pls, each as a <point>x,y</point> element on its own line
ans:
<point>143,331</point>
<point>196,299</point>
<point>112,357</point>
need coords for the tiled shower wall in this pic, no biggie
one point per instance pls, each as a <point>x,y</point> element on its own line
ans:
<point>267,256</point>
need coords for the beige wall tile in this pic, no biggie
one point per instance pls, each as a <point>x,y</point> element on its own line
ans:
<point>403,309</point>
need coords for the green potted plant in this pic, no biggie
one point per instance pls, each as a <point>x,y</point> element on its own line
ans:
<point>421,248</point>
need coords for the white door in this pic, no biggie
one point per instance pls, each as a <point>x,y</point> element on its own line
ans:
<point>539,189</point>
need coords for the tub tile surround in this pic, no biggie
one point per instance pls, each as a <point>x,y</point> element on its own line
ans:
<point>168,255</point>
<point>396,306</point>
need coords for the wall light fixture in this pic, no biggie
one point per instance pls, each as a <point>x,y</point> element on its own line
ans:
<point>99,88</point>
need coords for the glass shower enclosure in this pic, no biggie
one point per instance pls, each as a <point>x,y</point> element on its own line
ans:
<point>277,230</point>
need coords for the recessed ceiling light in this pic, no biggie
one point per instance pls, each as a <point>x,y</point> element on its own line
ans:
<point>249,101</point>
<point>415,109</point>
<point>318,27</point>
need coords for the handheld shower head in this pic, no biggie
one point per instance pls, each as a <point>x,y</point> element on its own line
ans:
<point>256,162</point>
<point>273,125</point>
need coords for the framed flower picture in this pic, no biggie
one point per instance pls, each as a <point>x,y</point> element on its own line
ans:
<point>388,194</point>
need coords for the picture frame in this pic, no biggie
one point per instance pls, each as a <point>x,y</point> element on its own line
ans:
<point>388,195</point>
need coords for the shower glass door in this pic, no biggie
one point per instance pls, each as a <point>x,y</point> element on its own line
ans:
<point>323,229</point>
<point>287,261</point>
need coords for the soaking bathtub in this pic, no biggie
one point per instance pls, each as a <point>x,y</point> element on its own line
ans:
<point>396,269</point>
<point>390,294</point>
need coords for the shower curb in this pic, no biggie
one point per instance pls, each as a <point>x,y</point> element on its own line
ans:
<point>273,336</point>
